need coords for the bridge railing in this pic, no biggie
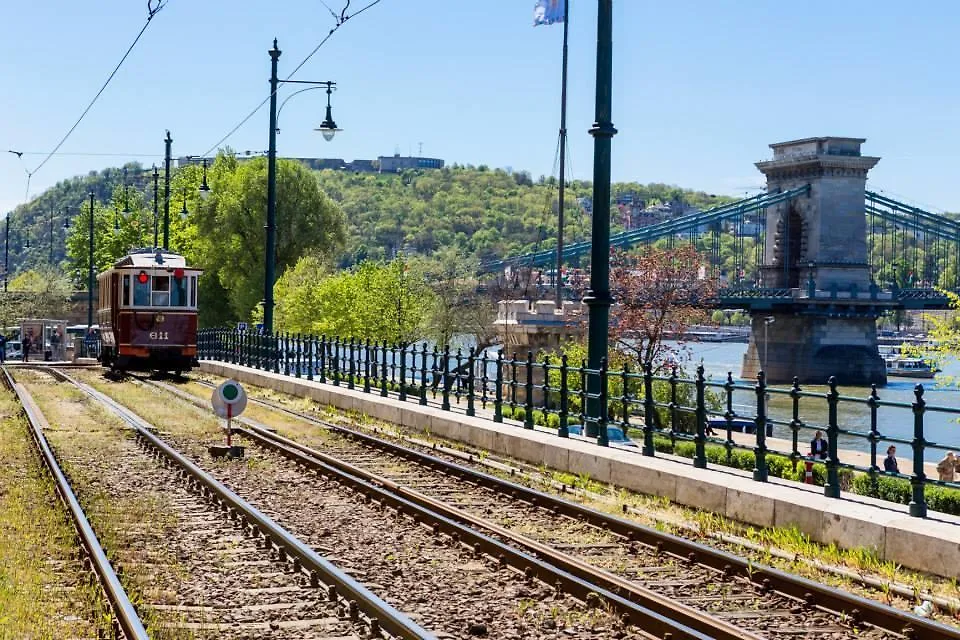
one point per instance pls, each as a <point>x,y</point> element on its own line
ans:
<point>752,426</point>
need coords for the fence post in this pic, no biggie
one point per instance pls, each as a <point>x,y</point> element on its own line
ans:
<point>275,344</point>
<point>423,375</point>
<point>918,503</point>
<point>648,409</point>
<point>299,344</point>
<point>353,363</point>
<point>310,347</point>
<point>366,366</point>
<point>873,402</point>
<point>383,369</point>
<point>286,354</point>
<point>471,362</point>
<point>445,403</point>
<point>457,378</point>
<point>563,431</point>
<point>528,404</point>
<point>603,439</point>
<point>625,398</point>
<point>335,361</point>
<point>403,370</point>
<point>513,383</point>
<point>498,391</point>
<point>700,440</point>
<point>546,390</point>
<point>760,451</point>
<point>323,358</point>
<point>831,487</point>
<point>795,421</point>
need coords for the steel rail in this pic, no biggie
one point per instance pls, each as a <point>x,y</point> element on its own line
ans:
<point>380,613</point>
<point>649,611</point>
<point>593,580</point>
<point>856,607</point>
<point>124,613</point>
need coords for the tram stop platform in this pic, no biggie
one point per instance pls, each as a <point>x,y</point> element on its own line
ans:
<point>930,544</point>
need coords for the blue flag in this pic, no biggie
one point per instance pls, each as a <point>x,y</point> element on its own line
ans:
<point>548,12</point>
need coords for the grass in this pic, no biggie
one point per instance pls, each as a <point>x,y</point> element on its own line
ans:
<point>125,521</point>
<point>44,591</point>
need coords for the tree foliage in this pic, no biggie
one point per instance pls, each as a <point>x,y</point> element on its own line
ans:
<point>375,300</point>
<point>42,293</point>
<point>658,294</point>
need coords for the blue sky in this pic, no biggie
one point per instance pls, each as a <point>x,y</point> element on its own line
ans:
<point>701,87</point>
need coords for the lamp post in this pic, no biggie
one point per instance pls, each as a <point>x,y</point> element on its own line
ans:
<point>168,143</point>
<point>598,299</point>
<point>769,320</point>
<point>156,217</point>
<point>6,253</point>
<point>328,128</point>
<point>90,272</point>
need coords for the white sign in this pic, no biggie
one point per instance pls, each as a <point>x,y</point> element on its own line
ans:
<point>241,327</point>
<point>229,399</point>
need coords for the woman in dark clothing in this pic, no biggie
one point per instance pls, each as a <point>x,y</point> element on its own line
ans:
<point>26,344</point>
<point>890,462</point>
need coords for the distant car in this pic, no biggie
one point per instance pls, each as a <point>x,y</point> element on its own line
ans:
<point>615,436</point>
<point>14,350</point>
<point>739,425</point>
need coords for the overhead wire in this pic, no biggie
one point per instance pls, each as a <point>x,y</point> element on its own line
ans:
<point>153,7</point>
<point>340,21</point>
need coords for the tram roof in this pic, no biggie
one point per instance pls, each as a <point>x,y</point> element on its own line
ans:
<point>152,259</point>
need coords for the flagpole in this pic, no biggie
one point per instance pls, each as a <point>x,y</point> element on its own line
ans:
<point>558,278</point>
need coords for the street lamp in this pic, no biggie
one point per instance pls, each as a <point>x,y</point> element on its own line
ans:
<point>598,298</point>
<point>6,252</point>
<point>204,187</point>
<point>328,128</point>
<point>769,320</point>
<point>90,273</point>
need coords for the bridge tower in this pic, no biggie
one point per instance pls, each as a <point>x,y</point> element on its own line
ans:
<point>816,249</point>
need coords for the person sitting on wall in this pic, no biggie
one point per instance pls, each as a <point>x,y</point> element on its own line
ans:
<point>818,446</point>
<point>947,468</point>
<point>890,462</point>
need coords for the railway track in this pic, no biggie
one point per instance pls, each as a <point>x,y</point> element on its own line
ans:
<point>228,570</point>
<point>766,601</point>
<point>124,618</point>
<point>473,579</point>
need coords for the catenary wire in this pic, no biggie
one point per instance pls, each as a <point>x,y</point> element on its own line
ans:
<point>341,20</point>
<point>152,12</point>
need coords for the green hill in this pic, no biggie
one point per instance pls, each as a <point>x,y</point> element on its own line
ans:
<point>480,211</point>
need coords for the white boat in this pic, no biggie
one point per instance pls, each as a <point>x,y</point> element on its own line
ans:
<point>901,367</point>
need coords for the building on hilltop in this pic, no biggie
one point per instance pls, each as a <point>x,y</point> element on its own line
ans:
<point>383,164</point>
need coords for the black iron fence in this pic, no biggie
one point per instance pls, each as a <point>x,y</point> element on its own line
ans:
<point>641,410</point>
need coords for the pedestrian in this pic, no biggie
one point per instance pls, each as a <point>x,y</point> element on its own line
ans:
<point>890,462</point>
<point>947,468</point>
<point>3,348</point>
<point>26,344</point>
<point>818,446</point>
<point>55,345</point>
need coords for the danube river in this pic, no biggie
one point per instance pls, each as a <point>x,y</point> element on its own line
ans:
<point>939,427</point>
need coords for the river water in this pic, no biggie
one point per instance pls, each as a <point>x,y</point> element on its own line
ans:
<point>898,422</point>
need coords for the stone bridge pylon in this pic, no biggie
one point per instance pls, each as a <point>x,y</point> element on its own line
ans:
<point>816,247</point>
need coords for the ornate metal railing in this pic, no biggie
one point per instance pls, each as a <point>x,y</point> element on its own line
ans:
<point>644,410</point>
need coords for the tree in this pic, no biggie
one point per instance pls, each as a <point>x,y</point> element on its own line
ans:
<point>230,236</point>
<point>659,294</point>
<point>37,294</point>
<point>375,301</point>
<point>455,306</point>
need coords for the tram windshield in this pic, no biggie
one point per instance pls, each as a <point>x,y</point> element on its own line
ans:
<point>160,290</point>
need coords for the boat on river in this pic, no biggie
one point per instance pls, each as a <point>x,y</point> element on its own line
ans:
<point>901,367</point>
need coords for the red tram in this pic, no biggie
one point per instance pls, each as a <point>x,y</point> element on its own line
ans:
<point>148,312</point>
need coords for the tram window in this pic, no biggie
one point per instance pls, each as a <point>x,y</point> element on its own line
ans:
<point>126,290</point>
<point>178,292</point>
<point>161,291</point>
<point>141,293</point>
<point>193,291</point>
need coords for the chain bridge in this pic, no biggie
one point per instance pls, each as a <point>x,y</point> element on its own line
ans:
<point>816,259</point>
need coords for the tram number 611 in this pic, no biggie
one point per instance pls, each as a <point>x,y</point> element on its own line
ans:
<point>159,335</point>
